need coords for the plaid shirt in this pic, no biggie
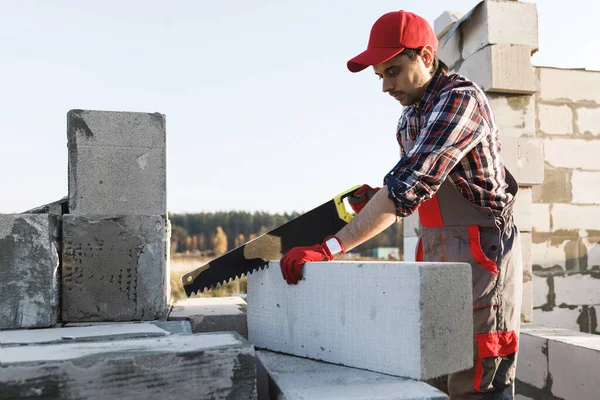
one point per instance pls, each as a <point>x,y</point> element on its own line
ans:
<point>451,134</point>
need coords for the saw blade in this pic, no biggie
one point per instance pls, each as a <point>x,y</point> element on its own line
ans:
<point>305,230</point>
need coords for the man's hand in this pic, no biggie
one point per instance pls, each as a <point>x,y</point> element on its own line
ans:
<point>293,260</point>
<point>361,197</point>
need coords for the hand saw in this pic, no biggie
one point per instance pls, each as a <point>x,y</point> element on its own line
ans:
<point>307,229</point>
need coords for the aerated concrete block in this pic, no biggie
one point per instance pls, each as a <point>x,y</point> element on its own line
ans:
<point>497,22</point>
<point>202,366</point>
<point>114,268</point>
<point>95,333</point>
<point>524,158</point>
<point>287,377</point>
<point>569,85</point>
<point>391,317</point>
<point>117,163</point>
<point>212,314</point>
<point>501,68</point>
<point>29,270</point>
<point>445,21</point>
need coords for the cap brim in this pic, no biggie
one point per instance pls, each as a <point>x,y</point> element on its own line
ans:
<point>372,56</point>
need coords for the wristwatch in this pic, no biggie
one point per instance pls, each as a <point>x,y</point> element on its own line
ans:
<point>334,246</point>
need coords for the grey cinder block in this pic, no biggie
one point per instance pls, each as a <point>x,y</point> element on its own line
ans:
<point>295,378</point>
<point>100,332</point>
<point>212,314</point>
<point>117,163</point>
<point>29,270</point>
<point>202,366</point>
<point>406,319</point>
<point>114,268</point>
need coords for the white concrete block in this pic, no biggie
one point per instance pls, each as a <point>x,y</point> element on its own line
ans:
<point>558,318</point>
<point>573,364</point>
<point>212,314</point>
<point>540,217</point>
<point>586,187</point>
<point>296,378</point>
<point>522,209</point>
<point>29,270</point>
<point>575,85</point>
<point>445,21</point>
<point>514,114</point>
<point>593,252</point>
<point>449,49</point>
<point>532,362</point>
<point>540,291</point>
<point>501,68</point>
<point>410,248</point>
<point>205,366</point>
<point>411,225</point>
<point>509,23</point>
<point>555,119</point>
<point>571,216</point>
<point>588,120</point>
<point>560,153</point>
<point>117,163</point>
<point>527,302</point>
<point>577,289</point>
<point>104,332</point>
<point>524,158</point>
<point>322,318</point>
<point>549,255</point>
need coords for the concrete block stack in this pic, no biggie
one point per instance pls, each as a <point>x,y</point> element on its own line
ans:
<point>116,237</point>
<point>492,45</point>
<point>566,206</point>
<point>557,364</point>
<point>113,235</point>
<point>126,361</point>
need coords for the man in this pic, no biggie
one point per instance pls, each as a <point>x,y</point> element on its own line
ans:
<point>450,168</point>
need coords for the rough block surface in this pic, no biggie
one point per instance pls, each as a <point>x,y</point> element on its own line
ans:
<point>515,114</point>
<point>114,268</point>
<point>524,158</point>
<point>558,364</point>
<point>575,85</point>
<point>102,332</point>
<point>559,153</point>
<point>295,378</point>
<point>29,270</point>
<point>212,314</point>
<point>117,163</point>
<point>501,68</point>
<point>500,22</point>
<point>390,317</point>
<point>202,366</point>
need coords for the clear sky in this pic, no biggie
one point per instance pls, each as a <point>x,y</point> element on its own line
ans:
<point>262,113</point>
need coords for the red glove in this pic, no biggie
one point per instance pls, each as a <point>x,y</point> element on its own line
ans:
<point>361,197</point>
<point>293,260</point>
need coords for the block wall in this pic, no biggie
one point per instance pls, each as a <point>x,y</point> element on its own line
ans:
<point>566,206</point>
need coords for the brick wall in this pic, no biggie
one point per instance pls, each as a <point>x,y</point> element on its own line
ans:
<point>566,206</point>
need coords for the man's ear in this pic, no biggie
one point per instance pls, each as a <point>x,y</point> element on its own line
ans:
<point>427,55</point>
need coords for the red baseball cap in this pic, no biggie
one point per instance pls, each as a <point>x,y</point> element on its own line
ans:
<point>390,35</point>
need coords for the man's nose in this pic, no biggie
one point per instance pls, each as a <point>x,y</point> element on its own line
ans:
<point>387,85</point>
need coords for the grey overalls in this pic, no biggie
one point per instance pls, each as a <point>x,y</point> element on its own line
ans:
<point>455,229</point>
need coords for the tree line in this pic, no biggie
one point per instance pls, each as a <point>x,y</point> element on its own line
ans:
<point>214,233</point>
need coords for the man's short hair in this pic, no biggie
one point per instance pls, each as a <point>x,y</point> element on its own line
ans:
<point>437,63</point>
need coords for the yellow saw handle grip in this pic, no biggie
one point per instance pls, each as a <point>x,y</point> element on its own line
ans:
<point>343,214</point>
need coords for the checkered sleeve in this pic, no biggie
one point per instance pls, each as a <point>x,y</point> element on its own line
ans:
<point>454,127</point>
